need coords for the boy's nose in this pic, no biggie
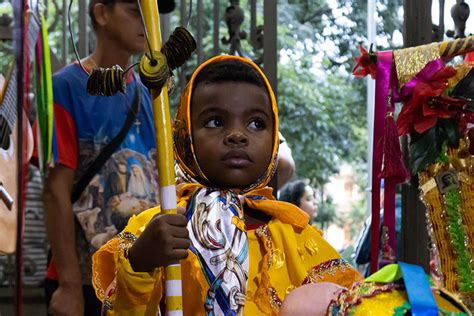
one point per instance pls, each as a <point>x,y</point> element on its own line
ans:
<point>236,138</point>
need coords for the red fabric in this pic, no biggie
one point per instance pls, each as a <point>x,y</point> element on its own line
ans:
<point>52,273</point>
<point>66,139</point>
<point>426,104</point>
<point>469,57</point>
<point>382,85</point>
<point>394,170</point>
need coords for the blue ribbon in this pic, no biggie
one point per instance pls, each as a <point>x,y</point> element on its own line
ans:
<point>418,289</point>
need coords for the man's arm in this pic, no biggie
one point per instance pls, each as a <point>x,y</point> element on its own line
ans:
<point>59,222</point>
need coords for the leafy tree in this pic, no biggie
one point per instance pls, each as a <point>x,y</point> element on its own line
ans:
<point>323,110</point>
<point>317,117</point>
<point>326,212</point>
<point>322,106</point>
<point>6,47</point>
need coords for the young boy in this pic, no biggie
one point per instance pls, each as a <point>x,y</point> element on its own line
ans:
<point>241,250</point>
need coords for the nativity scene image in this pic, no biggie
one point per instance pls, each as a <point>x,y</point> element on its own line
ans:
<point>102,213</point>
<point>170,157</point>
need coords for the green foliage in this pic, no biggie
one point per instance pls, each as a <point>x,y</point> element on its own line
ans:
<point>387,22</point>
<point>356,218</point>
<point>6,47</point>
<point>426,148</point>
<point>322,106</point>
<point>318,116</point>
<point>326,212</point>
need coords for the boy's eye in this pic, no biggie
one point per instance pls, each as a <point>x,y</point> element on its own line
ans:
<point>257,124</point>
<point>133,8</point>
<point>214,123</point>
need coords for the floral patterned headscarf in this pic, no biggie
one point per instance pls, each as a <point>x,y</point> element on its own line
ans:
<point>183,143</point>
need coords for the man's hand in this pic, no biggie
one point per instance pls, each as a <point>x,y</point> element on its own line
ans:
<point>67,300</point>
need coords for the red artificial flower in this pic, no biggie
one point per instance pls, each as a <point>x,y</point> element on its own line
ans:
<point>365,64</point>
<point>426,104</point>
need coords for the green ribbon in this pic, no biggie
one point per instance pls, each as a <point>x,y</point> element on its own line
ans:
<point>389,273</point>
<point>44,98</point>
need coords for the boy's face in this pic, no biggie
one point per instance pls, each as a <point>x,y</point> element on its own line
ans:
<point>232,130</point>
<point>125,27</point>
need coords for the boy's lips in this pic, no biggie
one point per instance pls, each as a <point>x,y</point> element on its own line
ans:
<point>236,158</point>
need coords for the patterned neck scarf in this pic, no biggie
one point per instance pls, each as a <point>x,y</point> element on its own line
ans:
<point>215,216</point>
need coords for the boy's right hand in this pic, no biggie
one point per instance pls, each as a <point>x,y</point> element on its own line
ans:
<point>164,241</point>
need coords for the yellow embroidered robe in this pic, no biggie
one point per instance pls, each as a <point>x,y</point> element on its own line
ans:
<point>282,257</point>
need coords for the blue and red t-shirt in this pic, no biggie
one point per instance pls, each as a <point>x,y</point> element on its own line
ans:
<point>128,182</point>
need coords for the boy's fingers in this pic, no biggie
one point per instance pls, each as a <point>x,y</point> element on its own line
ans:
<point>179,254</point>
<point>181,243</point>
<point>175,219</point>
<point>179,232</point>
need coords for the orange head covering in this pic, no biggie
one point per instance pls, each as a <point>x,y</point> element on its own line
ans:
<point>183,144</point>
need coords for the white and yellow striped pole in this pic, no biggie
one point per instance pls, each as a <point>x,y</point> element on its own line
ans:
<point>164,157</point>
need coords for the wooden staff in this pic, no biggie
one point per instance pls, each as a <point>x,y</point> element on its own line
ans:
<point>164,157</point>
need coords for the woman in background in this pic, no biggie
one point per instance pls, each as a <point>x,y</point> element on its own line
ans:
<point>301,194</point>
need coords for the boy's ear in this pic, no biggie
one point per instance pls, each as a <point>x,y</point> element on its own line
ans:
<point>100,14</point>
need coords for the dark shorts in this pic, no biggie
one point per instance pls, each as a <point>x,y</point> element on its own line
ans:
<point>92,305</point>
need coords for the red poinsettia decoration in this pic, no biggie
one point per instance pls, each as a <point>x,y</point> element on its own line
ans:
<point>365,64</point>
<point>425,104</point>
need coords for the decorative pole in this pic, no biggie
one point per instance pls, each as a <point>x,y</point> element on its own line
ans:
<point>152,65</point>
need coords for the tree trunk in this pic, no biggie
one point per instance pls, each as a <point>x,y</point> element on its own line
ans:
<point>415,241</point>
